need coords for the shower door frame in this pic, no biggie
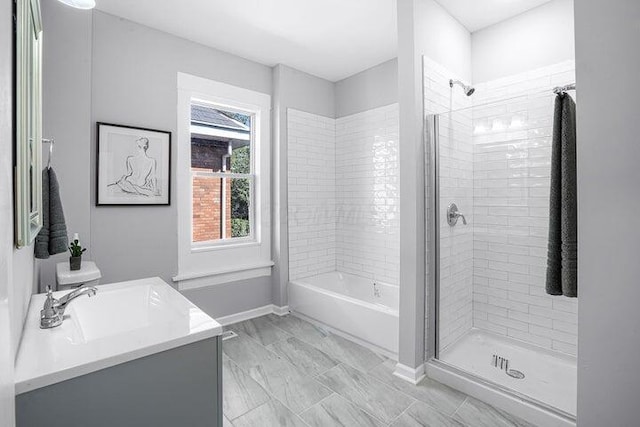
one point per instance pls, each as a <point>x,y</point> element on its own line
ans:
<point>433,362</point>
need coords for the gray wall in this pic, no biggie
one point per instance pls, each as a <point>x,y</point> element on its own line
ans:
<point>305,92</point>
<point>443,39</point>
<point>300,91</point>
<point>135,86</point>
<point>89,77</point>
<point>537,38</point>
<point>371,88</point>
<point>608,63</point>
<point>234,297</point>
<point>138,86</point>
<point>67,117</point>
<point>424,28</point>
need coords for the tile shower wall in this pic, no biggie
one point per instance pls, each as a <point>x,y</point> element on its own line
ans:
<point>311,194</point>
<point>343,195</point>
<point>511,170</point>
<point>367,194</point>
<point>456,186</point>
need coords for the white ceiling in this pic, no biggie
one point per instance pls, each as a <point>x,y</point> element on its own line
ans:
<point>478,14</point>
<point>332,39</point>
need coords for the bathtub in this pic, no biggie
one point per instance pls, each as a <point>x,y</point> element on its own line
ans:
<point>349,305</point>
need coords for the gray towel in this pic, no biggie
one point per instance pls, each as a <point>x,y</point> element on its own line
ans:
<point>562,255</point>
<point>53,238</point>
<point>42,239</point>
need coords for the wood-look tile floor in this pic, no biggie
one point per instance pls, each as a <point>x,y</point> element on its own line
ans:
<point>284,371</point>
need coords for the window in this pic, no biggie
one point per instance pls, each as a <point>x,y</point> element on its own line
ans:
<point>223,179</point>
<point>222,175</point>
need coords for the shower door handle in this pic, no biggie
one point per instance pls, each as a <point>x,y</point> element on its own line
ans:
<point>453,214</point>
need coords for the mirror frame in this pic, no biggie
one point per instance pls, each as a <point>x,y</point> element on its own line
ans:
<point>28,122</point>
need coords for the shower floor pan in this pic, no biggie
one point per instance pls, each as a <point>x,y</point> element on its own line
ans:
<point>550,377</point>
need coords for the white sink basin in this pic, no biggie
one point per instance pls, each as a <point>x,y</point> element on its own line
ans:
<point>122,322</point>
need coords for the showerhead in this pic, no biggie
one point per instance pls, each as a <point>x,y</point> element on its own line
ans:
<point>468,90</point>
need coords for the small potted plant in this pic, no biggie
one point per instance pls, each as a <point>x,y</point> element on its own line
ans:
<point>75,260</point>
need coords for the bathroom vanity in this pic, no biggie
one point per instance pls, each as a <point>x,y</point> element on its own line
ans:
<point>137,353</point>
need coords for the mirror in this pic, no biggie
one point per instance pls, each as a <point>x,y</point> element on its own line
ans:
<point>28,124</point>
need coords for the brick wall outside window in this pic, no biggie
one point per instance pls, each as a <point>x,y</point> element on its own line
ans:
<point>207,192</point>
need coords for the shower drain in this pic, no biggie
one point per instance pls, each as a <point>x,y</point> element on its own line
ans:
<point>502,363</point>
<point>514,373</point>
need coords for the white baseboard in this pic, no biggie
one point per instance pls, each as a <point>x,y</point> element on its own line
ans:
<point>280,311</point>
<point>412,375</point>
<point>253,313</point>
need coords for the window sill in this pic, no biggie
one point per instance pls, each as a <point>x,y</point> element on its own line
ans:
<point>196,280</point>
<point>195,248</point>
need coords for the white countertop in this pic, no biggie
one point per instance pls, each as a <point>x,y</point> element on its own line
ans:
<point>122,322</point>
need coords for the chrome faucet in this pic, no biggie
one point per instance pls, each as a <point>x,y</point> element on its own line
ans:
<point>52,314</point>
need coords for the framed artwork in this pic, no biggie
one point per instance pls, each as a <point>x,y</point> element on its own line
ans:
<point>134,166</point>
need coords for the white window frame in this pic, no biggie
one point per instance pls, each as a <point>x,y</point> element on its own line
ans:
<point>203,264</point>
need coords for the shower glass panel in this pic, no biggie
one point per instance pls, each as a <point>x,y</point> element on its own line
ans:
<point>494,321</point>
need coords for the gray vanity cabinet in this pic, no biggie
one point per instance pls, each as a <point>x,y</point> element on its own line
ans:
<point>180,387</point>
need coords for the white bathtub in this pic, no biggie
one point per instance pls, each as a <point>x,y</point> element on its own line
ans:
<point>348,304</point>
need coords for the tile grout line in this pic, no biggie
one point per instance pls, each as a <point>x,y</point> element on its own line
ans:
<point>366,373</point>
<point>260,385</point>
<point>370,377</point>
<point>271,398</point>
<point>315,377</point>
<point>301,338</point>
<point>363,372</point>
<point>459,406</point>
<point>350,401</point>
<point>316,404</point>
<point>257,341</point>
<point>268,392</point>
<point>272,324</point>
<point>402,413</point>
<point>313,347</point>
<point>328,334</point>
<point>417,400</point>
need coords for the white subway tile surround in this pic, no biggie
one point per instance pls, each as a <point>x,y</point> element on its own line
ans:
<point>495,164</point>
<point>513,125</point>
<point>367,194</point>
<point>311,194</point>
<point>343,194</point>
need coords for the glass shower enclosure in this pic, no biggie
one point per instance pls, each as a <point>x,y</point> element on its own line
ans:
<point>488,181</point>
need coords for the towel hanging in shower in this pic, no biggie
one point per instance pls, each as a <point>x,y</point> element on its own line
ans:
<point>562,255</point>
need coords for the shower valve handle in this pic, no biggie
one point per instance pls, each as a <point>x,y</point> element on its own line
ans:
<point>453,214</point>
